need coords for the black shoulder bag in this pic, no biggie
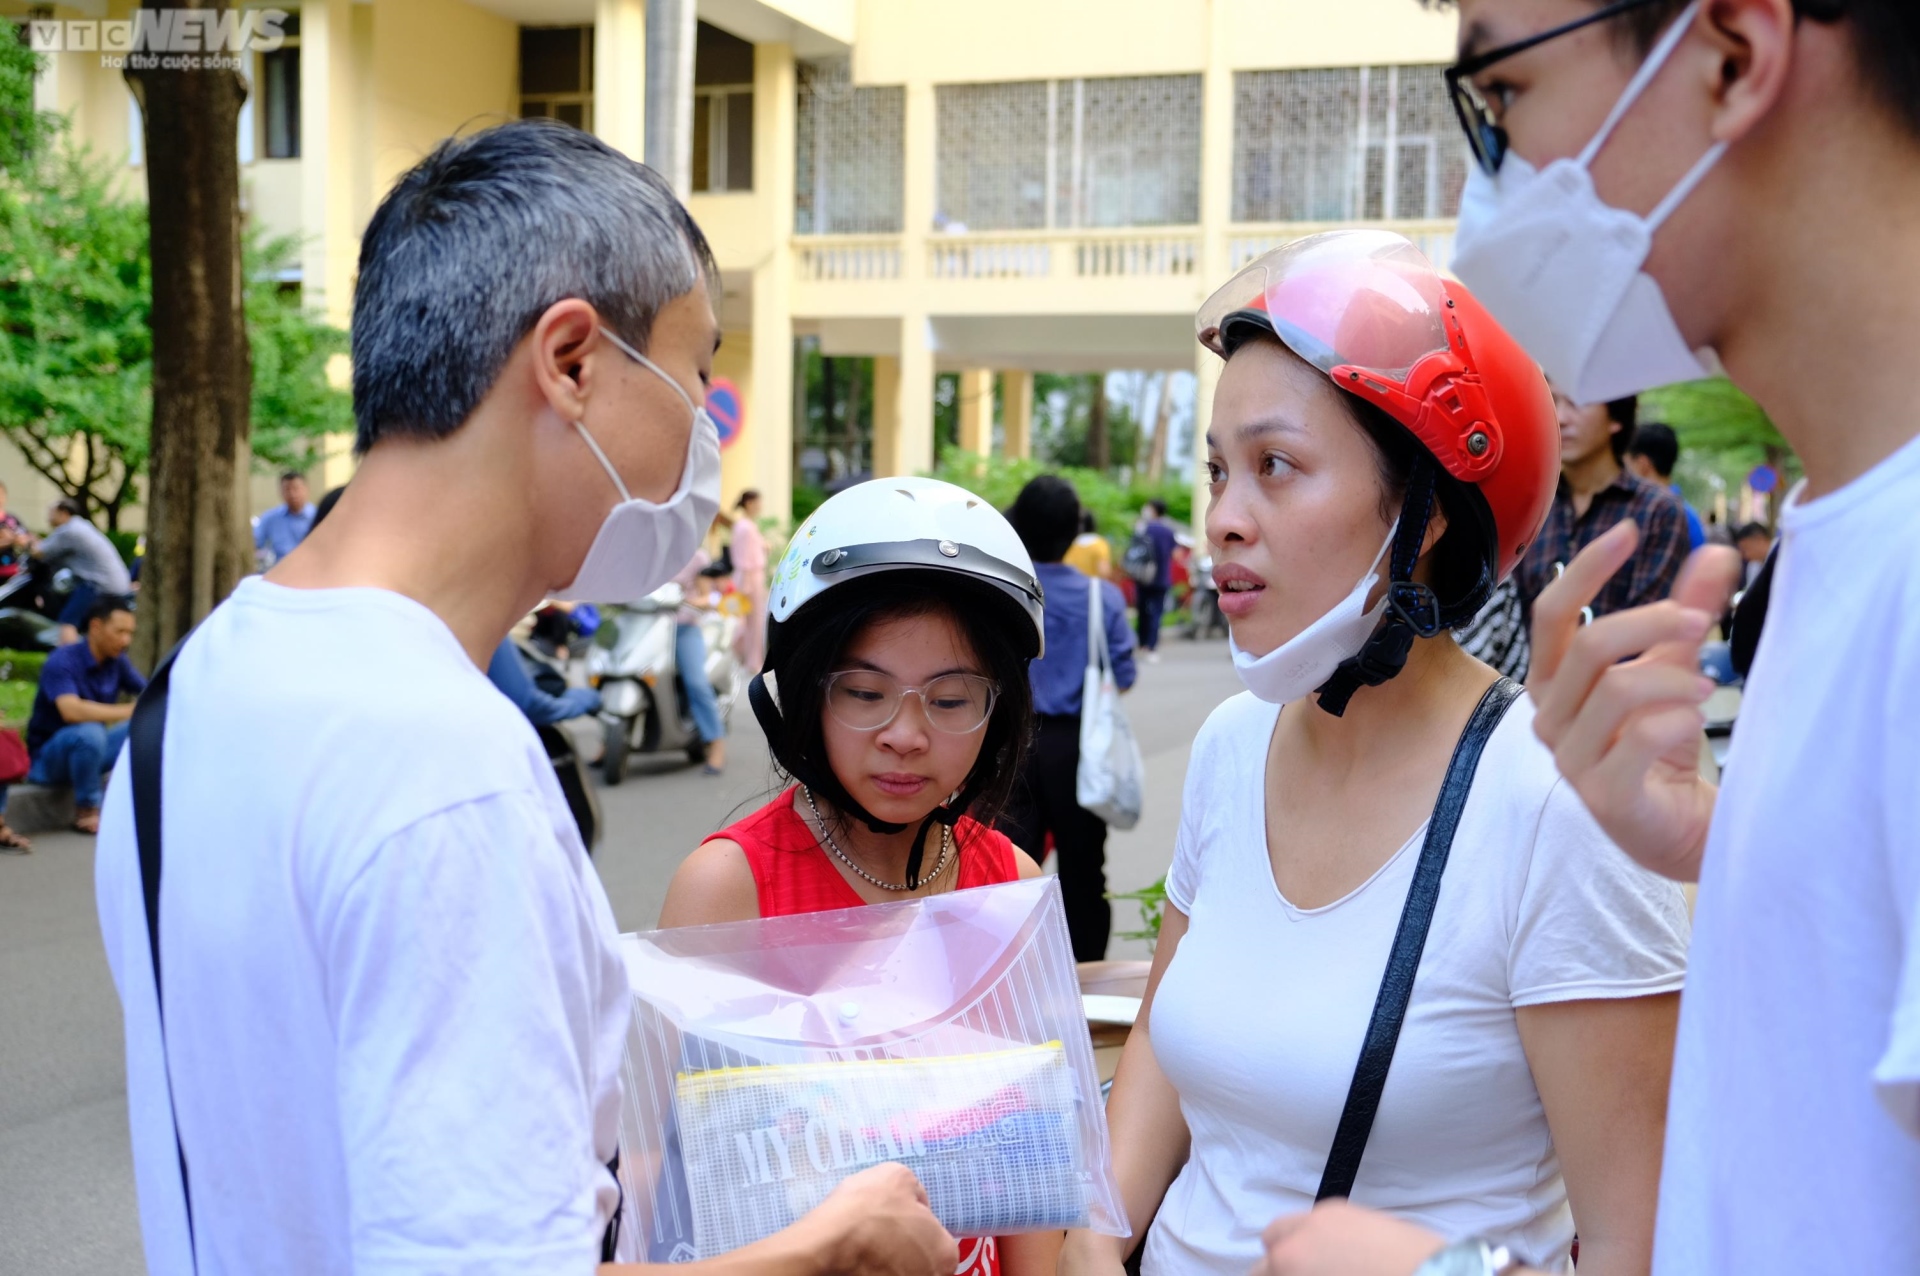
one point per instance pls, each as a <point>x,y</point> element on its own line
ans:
<point>146,736</point>
<point>1403,960</point>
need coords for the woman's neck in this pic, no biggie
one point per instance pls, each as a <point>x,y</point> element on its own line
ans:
<point>884,855</point>
<point>1439,683</point>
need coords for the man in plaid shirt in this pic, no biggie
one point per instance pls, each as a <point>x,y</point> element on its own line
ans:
<point>1596,492</point>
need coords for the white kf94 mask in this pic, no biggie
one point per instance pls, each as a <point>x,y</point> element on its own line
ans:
<point>1561,269</point>
<point>1303,663</point>
<point>642,545</point>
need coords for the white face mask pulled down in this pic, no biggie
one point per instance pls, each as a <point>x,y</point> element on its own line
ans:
<point>1562,270</point>
<point>1302,664</point>
<point>641,545</point>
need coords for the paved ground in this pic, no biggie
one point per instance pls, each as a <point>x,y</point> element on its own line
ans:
<point>66,1179</point>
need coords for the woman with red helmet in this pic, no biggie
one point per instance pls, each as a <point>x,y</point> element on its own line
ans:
<point>1399,963</point>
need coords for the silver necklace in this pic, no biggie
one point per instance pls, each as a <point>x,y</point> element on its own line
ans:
<point>946,849</point>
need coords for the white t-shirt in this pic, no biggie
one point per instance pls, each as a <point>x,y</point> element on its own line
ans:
<point>395,1002</point>
<point>1793,1134</point>
<point>1259,1018</point>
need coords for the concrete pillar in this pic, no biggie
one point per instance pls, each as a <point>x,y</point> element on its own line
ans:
<point>903,404</point>
<point>1206,376</point>
<point>671,25</point>
<point>620,75</point>
<point>1216,147</point>
<point>328,130</point>
<point>1016,414</point>
<point>976,411</point>
<point>770,430</point>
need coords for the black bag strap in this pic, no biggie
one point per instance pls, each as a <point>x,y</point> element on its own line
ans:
<point>1403,960</point>
<point>145,736</point>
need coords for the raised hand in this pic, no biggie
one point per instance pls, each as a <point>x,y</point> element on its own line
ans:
<point>1618,701</point>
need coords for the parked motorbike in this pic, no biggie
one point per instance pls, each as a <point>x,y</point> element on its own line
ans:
<point>642,692</point>
<point>1203,603</point>
<point>29,602</point>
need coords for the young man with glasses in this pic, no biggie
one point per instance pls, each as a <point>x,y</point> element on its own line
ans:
<point>1656,179</point>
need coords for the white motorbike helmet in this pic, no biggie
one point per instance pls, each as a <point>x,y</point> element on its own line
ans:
<point>915,525</point>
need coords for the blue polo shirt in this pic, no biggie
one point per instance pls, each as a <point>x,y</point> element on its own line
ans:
<point>72,671</point>
<point>281,529</point>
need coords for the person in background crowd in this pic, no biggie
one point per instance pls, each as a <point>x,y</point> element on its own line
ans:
<point>1754,542</point>
<point>1046,802</point>
<point>1497,635</point>
<point>748,550</point>
<point>1651,456</point>
<point>1717,532</point>
<point>16,542</point>
<point>83,549</point>
<point>690,658</point>
<point>276,532</point>
<point>902,719</point>
<point>394,999</point>
<point>1524,1095</point>
<point>1657,178</point>
<point>81,708</point>
<point>507,671</point>
<point>1090,554</point>
<point>1153,598</point>
<point>1596,491</point>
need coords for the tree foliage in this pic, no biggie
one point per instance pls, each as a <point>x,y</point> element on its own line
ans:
<point>76,345</point>
<point>23,130</point>
<point>1722,433</point>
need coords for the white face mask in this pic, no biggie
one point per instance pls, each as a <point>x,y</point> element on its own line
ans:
<point>1561,270</point>
<point>641,545</point>
<point>1302,664</point>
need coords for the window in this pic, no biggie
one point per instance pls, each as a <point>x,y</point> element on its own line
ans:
<point>280,95</point>
<point>556,74</point>
<point>722,111</point>
<point>851,162</point>
<point>1345,144</point>
<point>1122,151</point>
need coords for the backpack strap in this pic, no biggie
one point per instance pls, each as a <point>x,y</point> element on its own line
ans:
<point>1403,960</point>
<point>146,738</point>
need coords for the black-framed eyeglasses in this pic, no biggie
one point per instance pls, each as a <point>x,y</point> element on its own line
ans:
<point>1485,137</point>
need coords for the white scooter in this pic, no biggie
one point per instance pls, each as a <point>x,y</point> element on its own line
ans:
<point>643,703</point>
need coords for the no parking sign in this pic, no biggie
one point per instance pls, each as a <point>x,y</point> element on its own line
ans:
<point>723,405</point>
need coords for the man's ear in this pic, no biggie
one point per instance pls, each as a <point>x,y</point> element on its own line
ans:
<point>1755,42</point>
<point>562,340</point>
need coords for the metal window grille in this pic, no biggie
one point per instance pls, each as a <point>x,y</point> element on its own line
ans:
<point>851,158</point>
<point>1345,144</point>
<point>1069,153</point>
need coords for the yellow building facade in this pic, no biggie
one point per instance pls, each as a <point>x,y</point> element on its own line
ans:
<point>996,188</point>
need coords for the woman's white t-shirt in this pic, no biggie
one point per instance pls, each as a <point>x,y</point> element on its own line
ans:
<point>1259,1018</point>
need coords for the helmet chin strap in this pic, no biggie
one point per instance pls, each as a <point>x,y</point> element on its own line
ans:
<point>824,782</point>
<point>1412,610</point>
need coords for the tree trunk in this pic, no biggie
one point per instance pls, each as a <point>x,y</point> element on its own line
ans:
<point>1162,427</point>
<point>1099,452</point>
<point>197,542</point>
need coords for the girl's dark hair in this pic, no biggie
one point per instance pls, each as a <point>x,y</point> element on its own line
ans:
<point>819,633</point>
<point>751,494</point>
<point>1461,562</point>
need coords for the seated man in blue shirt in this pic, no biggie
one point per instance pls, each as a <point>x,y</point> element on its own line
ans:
<point>1046,515</point>
<point>80,712</point>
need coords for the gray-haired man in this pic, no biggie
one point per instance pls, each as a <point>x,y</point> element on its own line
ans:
<point>394,1006</point>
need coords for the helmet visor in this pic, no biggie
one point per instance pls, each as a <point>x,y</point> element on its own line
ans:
<point>1365,299</point>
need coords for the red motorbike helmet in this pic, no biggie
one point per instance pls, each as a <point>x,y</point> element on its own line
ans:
<point>1369,310</point>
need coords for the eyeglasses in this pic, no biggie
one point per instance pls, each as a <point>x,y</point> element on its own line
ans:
<point>1485,137</point>
<point>866,700</point>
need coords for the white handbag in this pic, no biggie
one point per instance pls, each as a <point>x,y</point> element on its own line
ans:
<point>1111,774</point>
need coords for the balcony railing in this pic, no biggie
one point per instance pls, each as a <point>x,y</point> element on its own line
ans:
<point>1153,252</point>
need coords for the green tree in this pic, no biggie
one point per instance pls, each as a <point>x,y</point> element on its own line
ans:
<point>23,130</point>
<point>76,343</point>
<point>1722,433</point>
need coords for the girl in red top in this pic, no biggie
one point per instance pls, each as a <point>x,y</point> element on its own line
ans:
<point>895,696</point>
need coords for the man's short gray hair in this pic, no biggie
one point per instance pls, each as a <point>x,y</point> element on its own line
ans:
<point>473,245</point>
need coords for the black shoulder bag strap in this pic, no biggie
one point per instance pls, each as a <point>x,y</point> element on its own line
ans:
<point>1403,960</point>
<point>145,736</point>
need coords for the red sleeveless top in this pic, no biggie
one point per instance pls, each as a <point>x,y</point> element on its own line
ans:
<point>793,874</point>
